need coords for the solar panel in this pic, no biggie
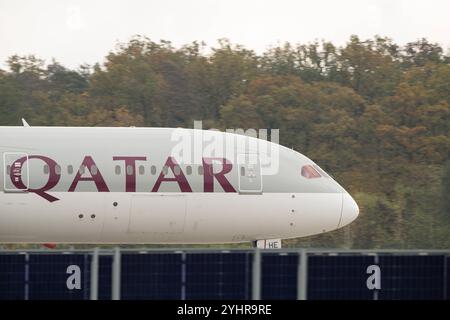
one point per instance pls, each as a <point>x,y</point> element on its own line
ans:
<point>447,279</point>
<point>151,276</point>
<point>412,277</point>
<point>279,276</point>
<point>12,277</point>
<point>48,275</point>
<point>338,277</point>
<point>218,275</point>
<point>104,277</point>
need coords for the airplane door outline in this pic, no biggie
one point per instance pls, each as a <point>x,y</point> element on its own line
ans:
<point>16,170</point>
<point>157,213</point>
<point>249,172</point>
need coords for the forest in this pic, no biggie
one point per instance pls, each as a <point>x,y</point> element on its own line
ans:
<point>372,113</point>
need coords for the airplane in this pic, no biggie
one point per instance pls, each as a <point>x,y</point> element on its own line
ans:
<point>132,185</point>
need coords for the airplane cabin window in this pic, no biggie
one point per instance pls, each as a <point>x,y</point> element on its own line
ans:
<point>46,169</point>
<point>200,170</point>
<point>70,169</point>
<point>58,170</point>
<point>165,170</point>
<point>129,170</point>
<point>141,170</point>
<point>309,172</point>
<point>81,170</point>
<point>94,170</point>
<point>118,170</point>
<point>8,170</point>
<point>177,170</point>
<point>188,170</point>
<point>153,170</point>
<point>243,171</point>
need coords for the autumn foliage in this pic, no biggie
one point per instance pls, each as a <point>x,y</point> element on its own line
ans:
<point>373,114</point>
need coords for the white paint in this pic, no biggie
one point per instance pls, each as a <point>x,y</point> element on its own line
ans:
<point>288,206</point>
<point>157,213</point>
<point>210,217</point>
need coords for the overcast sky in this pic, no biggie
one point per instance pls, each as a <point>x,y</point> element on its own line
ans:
<point>84,31</point>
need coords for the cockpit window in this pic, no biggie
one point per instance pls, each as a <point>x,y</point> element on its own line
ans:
<point>309,172</point>
<point>320,170</point>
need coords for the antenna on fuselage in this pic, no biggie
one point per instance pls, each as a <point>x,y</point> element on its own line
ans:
<point>25,123</point>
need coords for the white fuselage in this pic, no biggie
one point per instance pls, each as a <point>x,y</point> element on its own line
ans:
<point>158,185</point>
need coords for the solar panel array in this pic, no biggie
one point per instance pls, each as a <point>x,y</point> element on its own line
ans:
<point>223,275</point>
<point>179,276</point>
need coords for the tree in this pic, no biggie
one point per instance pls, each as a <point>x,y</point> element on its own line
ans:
<point>421,52</point>
<point>373,114</point>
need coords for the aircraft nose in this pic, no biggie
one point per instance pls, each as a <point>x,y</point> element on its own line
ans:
<point>349,211</point>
